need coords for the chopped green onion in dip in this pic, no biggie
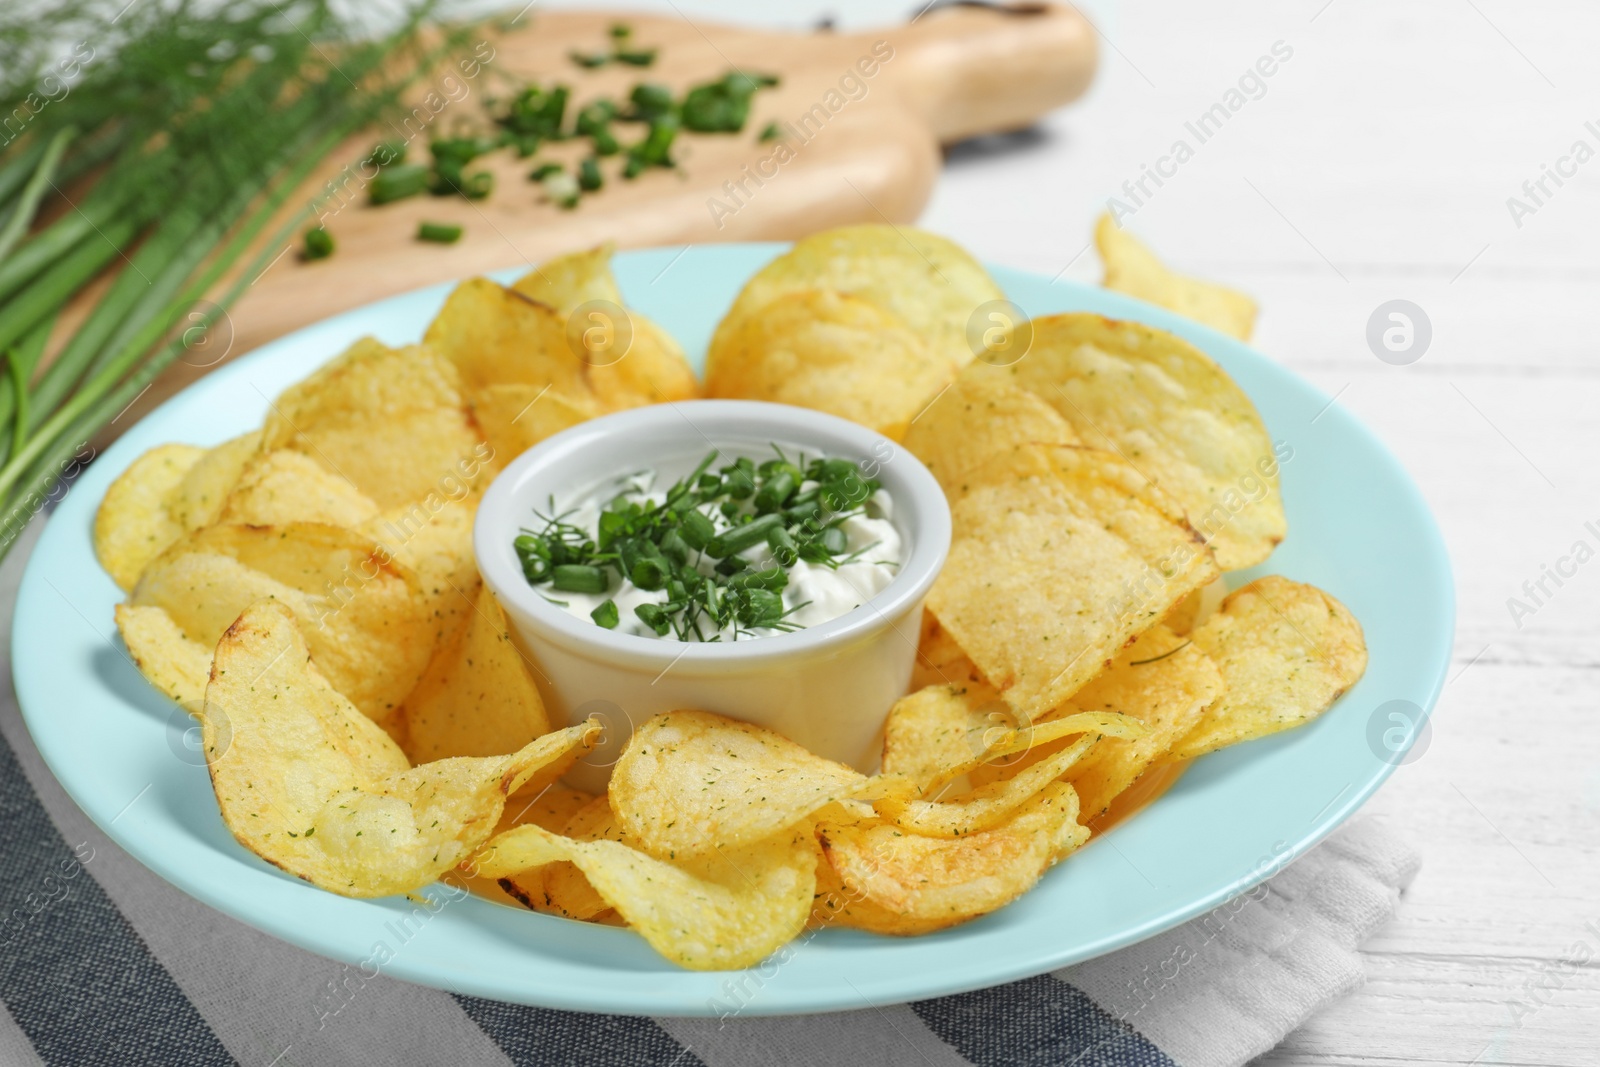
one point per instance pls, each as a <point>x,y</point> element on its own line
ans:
<point>746,549</point>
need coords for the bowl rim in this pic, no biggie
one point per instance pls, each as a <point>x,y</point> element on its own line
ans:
<point>920,511</point>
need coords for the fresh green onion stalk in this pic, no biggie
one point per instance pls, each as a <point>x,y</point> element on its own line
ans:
<point>154,143</point>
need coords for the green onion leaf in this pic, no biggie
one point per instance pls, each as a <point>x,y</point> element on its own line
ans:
<point>318,244</point>
<point>649,574</point>
<point>736,540</point>
<point>589,175</point>
<point>443,233</point>
<point>579,578</point>
<point>655,618</point>
<point>696,530</point>
<point>397,183</point>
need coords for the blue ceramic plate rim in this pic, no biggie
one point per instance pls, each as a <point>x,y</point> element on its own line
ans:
<point>1359,527</point>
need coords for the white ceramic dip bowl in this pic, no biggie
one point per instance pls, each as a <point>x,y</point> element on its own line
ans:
<point>827,687</point>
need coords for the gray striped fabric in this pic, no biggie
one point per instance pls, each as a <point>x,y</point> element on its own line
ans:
<point>102,962</point>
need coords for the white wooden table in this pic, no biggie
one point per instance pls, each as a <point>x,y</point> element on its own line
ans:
<point>1375,165</point>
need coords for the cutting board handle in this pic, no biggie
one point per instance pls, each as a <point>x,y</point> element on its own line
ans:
<point>973,68</point>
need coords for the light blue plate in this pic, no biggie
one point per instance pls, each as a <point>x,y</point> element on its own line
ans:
<point>1357,527</point>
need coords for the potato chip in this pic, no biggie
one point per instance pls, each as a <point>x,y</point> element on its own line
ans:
<point>690,782</point>
<point>560,888</point>
<point>433,538</point>
<point>930,283</point>
<point>389,421</point>
<point>478,697</point>
<point>1286,651</point>
<point>1132,268</point>
<point>311,785</point>
<point>727,909</point>
<point>496,336</point>
<point>167,658</point>
<point>1196,608</point>
<point>363,617</point>
<point>834,904</point>
<point>942,726</point>
<point>940,733</point>
<point>1058,556</point>
<point>986,806</point>
<point>514,417</point>
<point>941,881</point>
<point>1170,412</point>
<point>648,369</point>
<point>575,278</point>
<point>199,497</point>
<point>940,661</point>
<point>1163,681</point>
<point>286,486</point>
<point>834,352</point>
<point>552,807</point>
<point>978,417</point>
<point>134,524</point>
<point>653,370</point>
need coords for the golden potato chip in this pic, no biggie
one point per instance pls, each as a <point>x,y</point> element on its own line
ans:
<point>1163,681</point>
<point>834,904</point>
<point>940,733</point>
<point>286,486</point>
<point>940,661</point>
<point>628,364</point>
<point>1286,651</point>
<point>941,881</point>
<point>1195,608</point>
<point>552,807</point>
<point>930,283</point>
<point>689,782</point>
<point>1182,616</point>
<point>478,697</point>
<point>389,421</point>
<point>1170,412</point>
<point>311,785</point>
<point>728,909</point>
<point>168,659</point>
<point>199,497</point>
<point>978,417</point>
<point>497,336</point>
<point>653,370</point>
<point>834,352</point>
<point>560,888</point>
<point>942,726</point>
<point>1058,556</point>
<point>362,613</point>
<point>133,524</point>
<point>433,538</point>
<point>986,806</point>
<point>1132,268</point>
<point>514,417</point>
<point>575,278</point>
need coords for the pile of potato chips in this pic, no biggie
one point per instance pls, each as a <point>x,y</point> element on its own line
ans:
<point>308,591</point>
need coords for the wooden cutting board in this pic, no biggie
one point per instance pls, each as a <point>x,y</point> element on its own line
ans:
<point>865,115</point>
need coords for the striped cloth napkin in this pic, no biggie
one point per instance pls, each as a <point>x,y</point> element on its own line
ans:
<point>107,963</point>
